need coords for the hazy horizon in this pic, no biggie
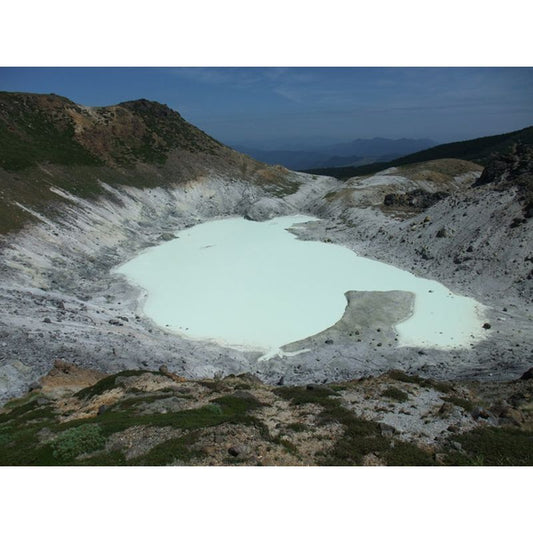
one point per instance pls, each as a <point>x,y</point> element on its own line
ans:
<point>299,108</point>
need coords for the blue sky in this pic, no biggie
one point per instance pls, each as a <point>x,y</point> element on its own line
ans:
<point>296,107</point>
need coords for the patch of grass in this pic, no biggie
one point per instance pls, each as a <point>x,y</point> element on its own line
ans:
<point>18,411</point>
<point>440,386</point>
<point>114,458</point>
<point>290,447</point>
<point>360,437</point>
<point>236,406</point>
<point>351,449</point>
<point>73,442</point>
<point>17,402</point>
<point>231,409</point>
<point>494,447</point>
<point>395,394</point>
<point>215,386</point>
<point>37,138</point>
<point>243,386</point>
<point>337,387</point>
<point>170,451</point>
<point>21,447</point>
<point>27,412</point>
<point>408,454</point>
<point>467,405</point>
<point>284,188</point>
<point>298,427</point>
<point>146,398</point>
<point>109,383</point>
<point>303,395</point>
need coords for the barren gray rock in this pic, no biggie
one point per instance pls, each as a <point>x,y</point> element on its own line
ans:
<point>70,260</point>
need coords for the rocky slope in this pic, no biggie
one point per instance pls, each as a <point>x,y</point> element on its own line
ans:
<point>75,416</point>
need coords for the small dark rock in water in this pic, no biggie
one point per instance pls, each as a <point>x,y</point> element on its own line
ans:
<point>486,325</point>
<point>328,341</point>
<point>421,352</point>
<point>528,374</point>
<point>163,369</point>
<point>47,321</point>
<point>281,380</point>
<point>123,318</point>
<point>442,233</point>
<point>114,322</point>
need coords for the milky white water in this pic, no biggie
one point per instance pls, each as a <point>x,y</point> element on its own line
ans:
<point>255,285</point>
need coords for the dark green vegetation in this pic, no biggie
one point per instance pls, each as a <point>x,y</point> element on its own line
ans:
<point>467,405</point>
<point>359,437</point>
<point>75,441</point>
<point>68,443</point>
<point>32,134</point>
<point>441,386</point>
<point>479,151</point>
<point>51,129</point>
<point>109,383</point>
<point>150,419</point>
<point>493,447</point>
<point>395,394</point>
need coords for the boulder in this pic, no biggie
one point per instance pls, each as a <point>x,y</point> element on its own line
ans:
<point>528,374</point>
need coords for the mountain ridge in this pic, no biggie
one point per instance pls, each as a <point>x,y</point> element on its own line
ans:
<point>48,141</point>
<point>479,150</point>
<point>358,150</point>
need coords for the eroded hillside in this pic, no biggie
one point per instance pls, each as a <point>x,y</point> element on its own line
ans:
<point>48,142</point>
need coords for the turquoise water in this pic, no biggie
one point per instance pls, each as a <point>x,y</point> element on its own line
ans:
<point>254,285</point>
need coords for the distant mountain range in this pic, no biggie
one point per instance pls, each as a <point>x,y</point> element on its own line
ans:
<point>480,150</point>
<point>356,152</point>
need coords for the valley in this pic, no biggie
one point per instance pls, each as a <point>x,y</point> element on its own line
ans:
<point>67,224</point>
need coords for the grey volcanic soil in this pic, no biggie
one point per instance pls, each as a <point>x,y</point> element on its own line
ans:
<point>59,299</point>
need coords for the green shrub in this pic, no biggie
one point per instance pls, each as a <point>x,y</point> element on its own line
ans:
<point>408,454</point>
<point>395,394</point>
<point>495,447</point>
<point>73,442</point>
<point>467,405</point>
